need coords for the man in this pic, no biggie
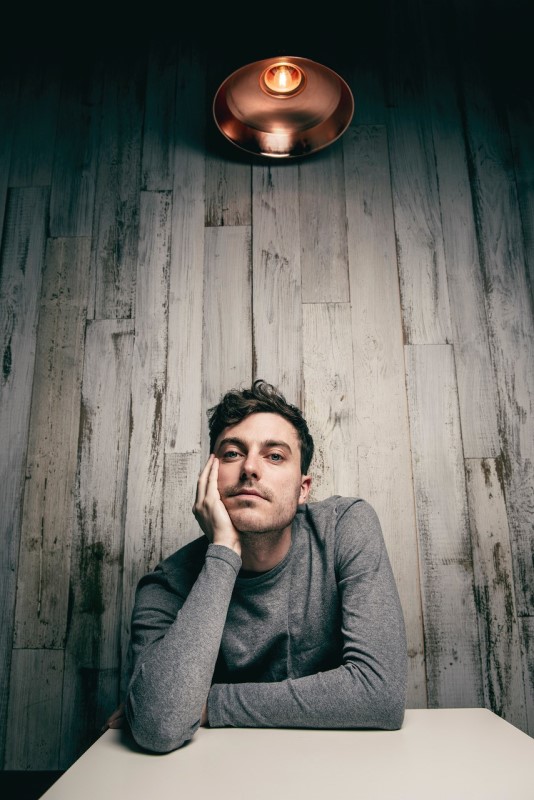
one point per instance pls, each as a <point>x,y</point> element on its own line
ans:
<point>283,614</point>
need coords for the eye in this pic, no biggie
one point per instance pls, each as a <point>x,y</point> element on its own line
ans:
<point>231,455</point>
<point>276,457</point>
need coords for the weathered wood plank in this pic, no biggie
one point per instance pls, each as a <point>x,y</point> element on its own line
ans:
<point>276,299</point>
<point>323,228</point>
<point>179,524</point>
<point>48,516</point>
<point>384,463</point>
<point>329,398</point>
<point>422,275</point>
<point>474,369</point>
<point>20,286</point>
<point>227,327</point>
<point>34,721</point>
<point>76,153</point>
<point>92,658</point>
<point>504,691</point>
<point>116,219</point>
<point>521,122</point>
<point>184,381</point>
<point>35,128</point>
<point>144,502</point>
<point>526,625</point>
<point>450,622</point>
<point>158,128</point>
<point>510,315</point>
<point>8,99</point>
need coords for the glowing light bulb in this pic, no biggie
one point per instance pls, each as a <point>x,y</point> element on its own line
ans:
<point>282,79</point>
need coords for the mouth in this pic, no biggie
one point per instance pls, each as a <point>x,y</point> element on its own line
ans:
<point>247,493</point>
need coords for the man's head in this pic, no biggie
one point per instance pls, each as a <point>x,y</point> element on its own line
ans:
<point>264,449</point>
<point>261,397</point>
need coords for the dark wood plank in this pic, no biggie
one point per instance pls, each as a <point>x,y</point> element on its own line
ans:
<point>8,98</point>
<point>159,113</point>
<point>92,652</point>
<point>48,516</point>
<point>20,287</point>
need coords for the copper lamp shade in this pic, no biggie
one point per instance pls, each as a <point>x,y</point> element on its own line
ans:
<point>283,107</point>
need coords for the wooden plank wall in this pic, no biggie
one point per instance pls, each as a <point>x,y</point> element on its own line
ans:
<point>385,284</point>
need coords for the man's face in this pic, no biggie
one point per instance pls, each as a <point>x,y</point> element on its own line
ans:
<point>260,481</point>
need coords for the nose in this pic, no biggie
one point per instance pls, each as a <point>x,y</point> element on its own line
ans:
<point>251,466</point>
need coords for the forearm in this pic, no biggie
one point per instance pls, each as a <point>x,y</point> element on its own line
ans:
<point>172,676</point>
<point>344,697</point>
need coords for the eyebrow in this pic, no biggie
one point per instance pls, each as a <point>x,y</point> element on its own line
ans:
<point>242,444</point>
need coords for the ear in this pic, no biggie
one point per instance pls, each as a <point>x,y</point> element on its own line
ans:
<point>305,485</point>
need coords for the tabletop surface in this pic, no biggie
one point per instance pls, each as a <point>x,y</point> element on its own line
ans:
<point>439,754</point>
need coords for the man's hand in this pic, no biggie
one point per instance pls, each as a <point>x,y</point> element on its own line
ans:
<point>116,720</point>
<point>210,511</point>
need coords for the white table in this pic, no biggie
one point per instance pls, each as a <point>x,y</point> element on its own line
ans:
<point>445,754</point>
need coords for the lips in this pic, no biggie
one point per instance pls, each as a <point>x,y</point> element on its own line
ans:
<point>248,493</point>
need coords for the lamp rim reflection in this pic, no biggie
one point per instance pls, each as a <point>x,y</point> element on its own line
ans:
<point>311,114</point>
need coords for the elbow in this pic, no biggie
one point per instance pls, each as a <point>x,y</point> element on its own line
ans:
<point>158,735</point>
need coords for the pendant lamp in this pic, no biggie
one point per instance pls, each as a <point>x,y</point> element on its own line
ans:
<point>283,107</point>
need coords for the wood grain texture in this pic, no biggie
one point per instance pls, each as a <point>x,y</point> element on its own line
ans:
<point>35,127</point>
<point>521,124</point>
<point>382,434</point>
<point>179,524</point>
<point>526,626</point>
<point>48,517</point>
<point>329,398</point>
<point>76,153</point>
<point>116,219</point>
<point>34,721</point>
<point>510,316</point>
<point>227,325</point>
<point>276,280</point>
<point>144,509</point>
<point>184,379</point>
<point>159,112</point>
<point>422,274</point>
<point>92,651</point>
<point>450,623</point>
<point>8,97</point>
<point>21,267</point>
<point>323,229</point>
<point>474,368</point>
<point>500,647</point>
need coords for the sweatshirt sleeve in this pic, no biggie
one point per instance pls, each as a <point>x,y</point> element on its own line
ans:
<point>174,644</point>
<point>368,690</point>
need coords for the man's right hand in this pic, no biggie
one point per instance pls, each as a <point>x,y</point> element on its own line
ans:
<point>210,511</point>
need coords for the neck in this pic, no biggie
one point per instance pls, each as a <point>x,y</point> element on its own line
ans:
<point>261,552</point>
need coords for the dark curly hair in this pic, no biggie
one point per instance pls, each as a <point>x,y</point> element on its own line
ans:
<point>237,404</point>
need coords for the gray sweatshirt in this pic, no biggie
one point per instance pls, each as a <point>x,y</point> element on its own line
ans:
<point>316,642</point>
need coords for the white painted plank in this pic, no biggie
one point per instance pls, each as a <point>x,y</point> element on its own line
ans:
<point>34,721</point>
<point>510,316</point>
<point>474,368</point>
<point>76,153</point>
<point>500,648</point>
<point>20,286</point>
<point>48,517</point>
<point>384,456</point>
<point>116,219</point>
<point>227,326</point>
<point>159,111</point>
<point>92,659</point>
<point>323,228</point>
<point>276,299</point>
<point>329,405</point>
<point>35,127</point>
<point>144,509</point>
<point>521,122</point>
<point>179,524</point>
<point>450,621</point>
<point>184,382</point>
<point>422,274</point>
<point>526,625</point>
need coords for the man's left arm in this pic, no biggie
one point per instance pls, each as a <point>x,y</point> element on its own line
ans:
<point>368,690</point>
